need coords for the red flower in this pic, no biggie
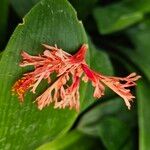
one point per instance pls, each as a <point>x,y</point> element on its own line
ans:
<point>64,92</point>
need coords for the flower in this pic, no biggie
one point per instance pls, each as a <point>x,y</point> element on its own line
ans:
<point>70,70</point>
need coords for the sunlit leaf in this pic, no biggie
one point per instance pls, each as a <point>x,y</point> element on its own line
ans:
<point>24,126</point>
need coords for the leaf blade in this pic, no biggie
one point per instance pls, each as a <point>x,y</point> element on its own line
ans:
<point>143,112</point>
<point>42,25</point>
<point>120,15</point>
<point>73,140</point>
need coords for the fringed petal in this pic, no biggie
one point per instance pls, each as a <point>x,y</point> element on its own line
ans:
<point>117,84</point>
<point>64,92</point>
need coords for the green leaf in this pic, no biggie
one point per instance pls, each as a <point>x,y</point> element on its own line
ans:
<point>89,122</point>
<point>143,96</point>
<point>113,133</point>
<point>24,126</point>
<point>107,121</point>
<point>140,37</point>
<point>22,7</point>
<point>140,56</point>
<point>3,19</point>
<point>139,60</point>
<point>74,140</point>
<point>1,53</point>
<point>118,16</point>
<point>100,62</point>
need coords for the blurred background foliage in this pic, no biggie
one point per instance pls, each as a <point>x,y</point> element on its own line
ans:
<point>119,39</point>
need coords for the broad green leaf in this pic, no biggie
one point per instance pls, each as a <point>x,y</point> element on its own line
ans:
<point>140,36</point>
<point>143,96</point>
<point>113,133</point>
<point>89,122</point>
<point>3,20</point>
<point>100,62</point>
<point>140,5</point>
<point>73,140</point>
<point>24,126</point>
<point>118,16</point>
<point>22,7</point>
<point>139,60</point>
